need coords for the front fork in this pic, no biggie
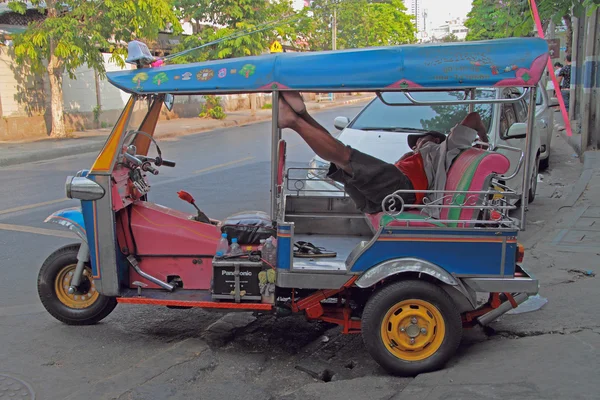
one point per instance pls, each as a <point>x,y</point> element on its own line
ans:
<point>83,256</point>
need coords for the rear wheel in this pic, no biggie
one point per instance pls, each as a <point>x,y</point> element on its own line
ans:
<point>534,180</point>
<point>411,327</point>
<point>84,307</point>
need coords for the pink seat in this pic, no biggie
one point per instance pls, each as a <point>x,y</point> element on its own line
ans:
<point>472,170</point>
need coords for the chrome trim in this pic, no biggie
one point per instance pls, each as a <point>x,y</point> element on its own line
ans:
<point>298,280</point>
<point>499,285</point>
<point>504,307</point>
<point>82,188</point>
<point>519,165</point>
<point>106,262</point>
<point>79,230</point>
<point>415,102</point>
<point>402,265</point>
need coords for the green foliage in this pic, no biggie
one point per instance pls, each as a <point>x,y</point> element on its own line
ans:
<point>450,38</point>
<point>75,30</point>
<point>237,17</point>
<point>494,19</point>
<point>360,23</point>
<point>267,106</point>
<point>97,110</point>
<point>212,108</point>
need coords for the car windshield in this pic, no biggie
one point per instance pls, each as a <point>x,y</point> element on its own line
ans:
<point>441,118</point>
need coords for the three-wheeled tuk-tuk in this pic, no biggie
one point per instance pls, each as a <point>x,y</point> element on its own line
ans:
<point>406,280</point>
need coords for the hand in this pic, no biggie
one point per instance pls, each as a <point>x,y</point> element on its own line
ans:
<point>473,121</point>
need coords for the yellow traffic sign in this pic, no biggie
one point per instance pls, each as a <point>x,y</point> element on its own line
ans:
<point>276,47</point>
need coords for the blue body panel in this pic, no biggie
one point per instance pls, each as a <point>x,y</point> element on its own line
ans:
<point>284,246</point>
<point>502,63</point>
<point>459,252</point>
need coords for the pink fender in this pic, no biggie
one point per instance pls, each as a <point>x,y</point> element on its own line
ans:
<point>169,243</point>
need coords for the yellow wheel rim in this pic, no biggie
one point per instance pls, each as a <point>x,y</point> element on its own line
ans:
<point>413,330</point>
<point>83,299</point>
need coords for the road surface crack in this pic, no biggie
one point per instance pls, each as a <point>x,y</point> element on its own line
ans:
<point>508,334</point>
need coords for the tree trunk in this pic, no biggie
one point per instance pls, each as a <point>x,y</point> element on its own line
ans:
<point>569,34</point>
<point>56,100</point>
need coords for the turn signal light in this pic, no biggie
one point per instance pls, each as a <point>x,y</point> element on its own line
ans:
<point>520,252</point>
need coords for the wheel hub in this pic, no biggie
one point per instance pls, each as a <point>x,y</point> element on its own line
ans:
<point>413,330</point>
<point>85,296</point>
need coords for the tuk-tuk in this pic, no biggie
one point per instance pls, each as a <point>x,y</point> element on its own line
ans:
<point>407,278</point>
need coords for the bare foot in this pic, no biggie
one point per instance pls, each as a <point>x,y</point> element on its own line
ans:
<point>295,100</point>
<point>287,116</point>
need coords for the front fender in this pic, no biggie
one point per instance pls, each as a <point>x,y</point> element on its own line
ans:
<point>72,218</point>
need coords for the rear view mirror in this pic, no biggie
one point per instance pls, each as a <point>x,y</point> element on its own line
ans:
<point>169,100</point>
<point>341,122</point>
<point>517,131</point>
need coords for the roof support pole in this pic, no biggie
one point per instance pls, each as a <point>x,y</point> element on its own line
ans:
<point>275,137</point>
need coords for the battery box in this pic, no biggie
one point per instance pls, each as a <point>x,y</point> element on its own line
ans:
<point>236,279</point>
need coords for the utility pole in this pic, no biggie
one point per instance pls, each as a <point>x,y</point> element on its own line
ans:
<point>334,30</point>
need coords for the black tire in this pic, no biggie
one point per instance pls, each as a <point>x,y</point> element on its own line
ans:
<point>533,184</point>
<point>388,297</point>
<point>62,258</point>
<point>544,164</point>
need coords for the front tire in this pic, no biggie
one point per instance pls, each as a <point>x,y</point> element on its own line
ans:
<point>87,306</point>
<point>411,327</point>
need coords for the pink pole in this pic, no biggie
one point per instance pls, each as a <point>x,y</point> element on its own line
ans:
<point>561,101</point>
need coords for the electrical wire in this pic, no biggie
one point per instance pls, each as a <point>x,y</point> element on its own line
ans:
<point>235,35</point>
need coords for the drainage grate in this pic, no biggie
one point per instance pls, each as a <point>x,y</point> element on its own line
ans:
<point>15,389</point>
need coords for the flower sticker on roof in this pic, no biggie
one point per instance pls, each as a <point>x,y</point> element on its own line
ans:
<point>403,85</point>
<point>222,73</point>
<point>139,78</point>
<point>186,76</point>
<point>205,74</point>
<point>159,78</point>
<point>247,70</point>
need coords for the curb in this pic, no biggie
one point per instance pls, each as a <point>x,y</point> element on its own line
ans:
<point>50,154</point>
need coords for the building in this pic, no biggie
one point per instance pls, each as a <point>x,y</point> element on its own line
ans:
<point>415,8</point>
<point>454,27</point>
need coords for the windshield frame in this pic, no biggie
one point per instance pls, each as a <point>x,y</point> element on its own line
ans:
<point>352,125</point>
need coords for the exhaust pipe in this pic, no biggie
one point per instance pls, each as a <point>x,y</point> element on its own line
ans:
<point>504,307</point>
<point>152,279</point>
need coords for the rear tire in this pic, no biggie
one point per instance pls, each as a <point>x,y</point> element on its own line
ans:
<point>544,164</point>
<point>533,183</point>
<point>411,327</point>
<point>86,307</point>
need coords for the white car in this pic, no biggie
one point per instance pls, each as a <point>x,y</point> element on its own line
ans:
<point>544,119</point>
<point>381,130</point>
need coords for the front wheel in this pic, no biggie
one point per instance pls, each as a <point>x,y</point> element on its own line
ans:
<point>86,306</point>
<point>411,327</point>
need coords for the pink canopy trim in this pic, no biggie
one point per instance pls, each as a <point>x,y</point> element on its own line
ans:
<point>526,77</point>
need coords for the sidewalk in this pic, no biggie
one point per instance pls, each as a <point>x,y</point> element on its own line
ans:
<point>12,153</point>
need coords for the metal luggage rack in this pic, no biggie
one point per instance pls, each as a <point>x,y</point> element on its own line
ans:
<point>296,179</point>
<point>493,206</point>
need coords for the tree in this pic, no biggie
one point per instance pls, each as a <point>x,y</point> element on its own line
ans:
<point>451,37</point>
<point>360,23</point>
<point>74,32</point>
<point>240,27</point>
<point>494,19</point>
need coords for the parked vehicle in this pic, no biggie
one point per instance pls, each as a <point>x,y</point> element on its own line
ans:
<point>382,130</point>
<point>404,280</point>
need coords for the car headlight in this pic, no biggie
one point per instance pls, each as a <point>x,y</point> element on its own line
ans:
<point>318,169</point>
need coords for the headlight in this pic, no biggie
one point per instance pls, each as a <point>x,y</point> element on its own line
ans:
<point>318,169</point>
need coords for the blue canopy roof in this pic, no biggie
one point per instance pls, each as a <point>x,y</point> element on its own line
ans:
<point>499,63</point>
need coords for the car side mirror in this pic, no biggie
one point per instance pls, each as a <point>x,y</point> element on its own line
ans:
<point>517,131</point>
<point>169,100</point>
<point>341,122</point>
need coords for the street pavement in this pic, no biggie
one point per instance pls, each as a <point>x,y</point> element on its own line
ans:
<point>156,353</point>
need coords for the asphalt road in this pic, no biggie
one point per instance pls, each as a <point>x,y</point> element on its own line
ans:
<point>155,353</point>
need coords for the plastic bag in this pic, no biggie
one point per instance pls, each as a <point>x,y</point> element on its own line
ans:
<point>249,227</point>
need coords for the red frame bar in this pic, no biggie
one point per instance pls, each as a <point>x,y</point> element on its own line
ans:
<point>199,304</point>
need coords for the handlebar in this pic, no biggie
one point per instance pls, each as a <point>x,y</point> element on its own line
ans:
<point>146,166</point>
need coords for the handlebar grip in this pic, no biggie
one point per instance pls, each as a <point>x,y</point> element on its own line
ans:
<point>148,168</point>
<point>168,163</point>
